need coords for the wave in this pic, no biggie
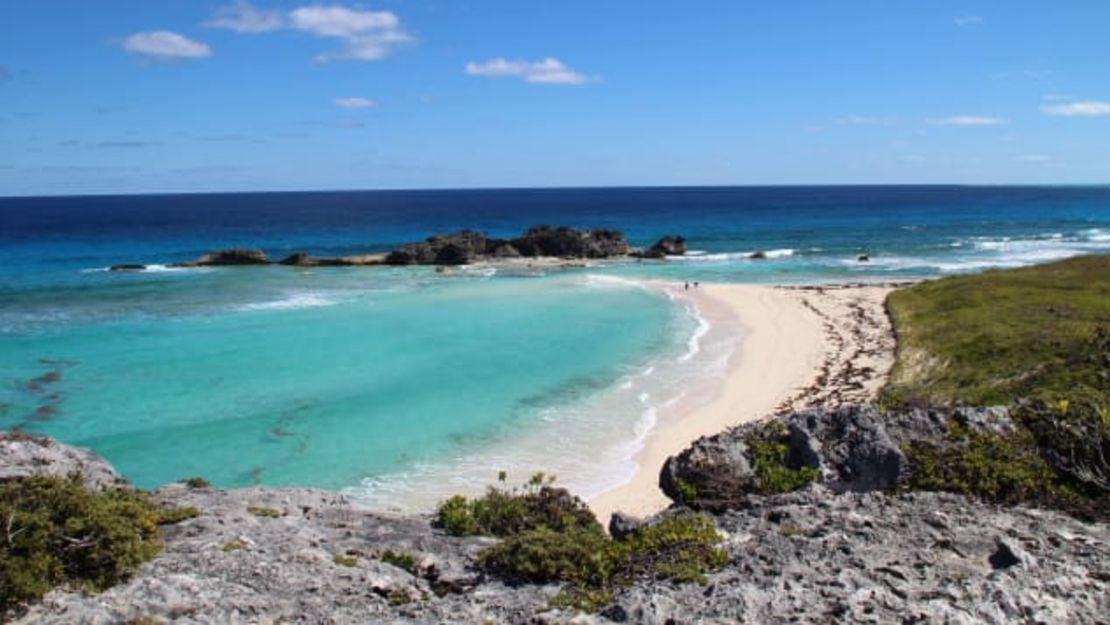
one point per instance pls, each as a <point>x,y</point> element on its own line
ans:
<point>703,256</point>
<point>293,302</point>
<point>155,268</point>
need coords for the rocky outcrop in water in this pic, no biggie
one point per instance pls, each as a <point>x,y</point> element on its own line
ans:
<point>466,246</point>
<point>670,245</point>
<point>229,257</point>
<point>818,555</point>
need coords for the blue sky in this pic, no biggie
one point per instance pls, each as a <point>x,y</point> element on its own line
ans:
<point>194,95</point>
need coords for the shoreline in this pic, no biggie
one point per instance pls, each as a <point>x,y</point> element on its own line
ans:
<point>799,347</point>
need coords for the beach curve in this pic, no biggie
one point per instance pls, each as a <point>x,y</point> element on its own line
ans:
<point>799,347</point>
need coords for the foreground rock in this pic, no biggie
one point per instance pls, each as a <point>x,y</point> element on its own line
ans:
<point>304,556</point>
<point>851,448</point>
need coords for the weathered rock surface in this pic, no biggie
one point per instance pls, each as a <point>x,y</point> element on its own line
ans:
<point>812,556</point>
<point>854,448</point>
<point>23,455</point>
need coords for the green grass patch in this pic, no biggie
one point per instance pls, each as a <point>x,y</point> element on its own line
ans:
<point>995,337</point>
<point>347,561</point>
<point>401,560</point>
<point>233,545</point>
<point>56,532</point>
<point>264,512</point>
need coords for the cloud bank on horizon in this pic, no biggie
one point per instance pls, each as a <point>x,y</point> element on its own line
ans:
<point>343,94</point>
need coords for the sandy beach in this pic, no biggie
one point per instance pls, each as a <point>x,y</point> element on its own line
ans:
<point>802,347</point>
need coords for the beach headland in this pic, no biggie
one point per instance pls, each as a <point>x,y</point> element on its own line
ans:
<point>801,347</point>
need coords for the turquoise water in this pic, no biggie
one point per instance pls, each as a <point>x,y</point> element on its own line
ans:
<point>344,377</point>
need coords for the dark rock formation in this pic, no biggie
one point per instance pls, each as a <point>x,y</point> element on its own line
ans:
<point>229,257</point>
<point>864,258</point>
<point>127,267</point>
<point>466,246</point>
<point>854,448</point>
<point>758,255</point>
<point>296,259</point>
<point>670,245</point>
<point>564,242</point>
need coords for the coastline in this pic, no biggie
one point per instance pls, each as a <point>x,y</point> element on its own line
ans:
<point>800,346</point>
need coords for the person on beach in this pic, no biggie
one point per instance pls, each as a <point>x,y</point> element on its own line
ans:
<point>687,286</point>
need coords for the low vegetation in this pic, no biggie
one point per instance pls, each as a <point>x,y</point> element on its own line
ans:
<point>401,560</point>
<point>264,512</point>
<point>1036,339</point>
<point>999,336</point>
<point>196,482</point>
<point>773,471</point>
<point>551,536</point>
<point>347,561</point>
<point>56,532</point>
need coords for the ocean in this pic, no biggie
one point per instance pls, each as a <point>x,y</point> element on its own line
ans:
<point>399,386</point>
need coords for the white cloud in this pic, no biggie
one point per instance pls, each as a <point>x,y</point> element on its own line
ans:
<point>1057,97</point>
<point>242,17</point>
<point>369,35</point>
<point>547,71</point>
<point>1089,108</point>
<point>969,120</point>
<point>968,20</point>
<point>355,103</point>
<point>163,44</point>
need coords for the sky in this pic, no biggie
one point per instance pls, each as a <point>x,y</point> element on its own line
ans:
<point>140,96</point>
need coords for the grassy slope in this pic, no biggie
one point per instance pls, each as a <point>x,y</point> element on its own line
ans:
<point>994,337</point>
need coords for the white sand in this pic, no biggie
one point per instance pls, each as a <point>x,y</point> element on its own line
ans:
<point>795,340</point>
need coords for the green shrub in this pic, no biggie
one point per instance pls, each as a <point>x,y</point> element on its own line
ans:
<point>998,468</point>
<point>265,512</point>
<point>233,545</point>
<point>682,548</point>
<point>400,560</point>
<point>196,482</point>
<point>770,450</point>
<point>504,512</point>
<point>686,491</point>
<point>58,532</point>
<point>346,561</point>
<point>543,555</point>
<point>170,516</point>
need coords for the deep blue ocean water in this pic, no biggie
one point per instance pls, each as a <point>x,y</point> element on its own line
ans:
<point>382,381</point>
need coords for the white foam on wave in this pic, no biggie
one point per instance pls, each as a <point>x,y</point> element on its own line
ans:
<point>703,256</point>
<point>292,302</point>
<point>155,268</point>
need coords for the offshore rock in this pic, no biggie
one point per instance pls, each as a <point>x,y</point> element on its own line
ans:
<point>568,242</point>
<point>229,257</point>
<point>670,245</point>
